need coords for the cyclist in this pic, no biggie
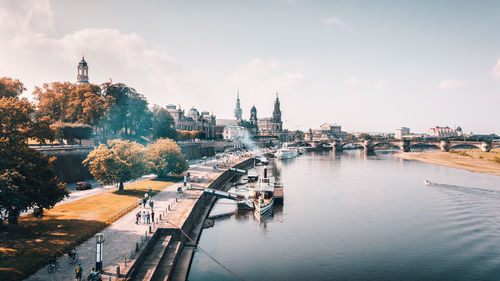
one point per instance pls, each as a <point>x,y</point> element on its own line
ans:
<point>52,260</point>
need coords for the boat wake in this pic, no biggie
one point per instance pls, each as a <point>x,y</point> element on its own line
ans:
<point>466,189</point>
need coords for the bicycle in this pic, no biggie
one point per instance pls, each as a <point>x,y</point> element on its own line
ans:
<point>72,259</point>
<point>53,267</point>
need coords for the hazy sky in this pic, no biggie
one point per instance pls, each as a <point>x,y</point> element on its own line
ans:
<point>367,65</point>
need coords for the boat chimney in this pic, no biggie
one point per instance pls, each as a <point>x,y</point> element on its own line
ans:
<point>265,173</point>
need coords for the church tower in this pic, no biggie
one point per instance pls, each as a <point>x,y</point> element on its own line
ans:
<point>83,73</point>
<point>253,116</point>
<point>277,111</point>
<point>277,124</point>
<point>237,111</point>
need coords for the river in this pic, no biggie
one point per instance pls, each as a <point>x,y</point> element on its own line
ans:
<point>348,216</point>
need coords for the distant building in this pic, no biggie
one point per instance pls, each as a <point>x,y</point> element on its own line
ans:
<point>220,126</point>
<point>271,125</point>
<point>444,132</point>
<point>325,132</point>
<point>235,133</point>
<point>193,120</point>
<point>238,113</point>
<point>82,78</point>
<point>400,133</point>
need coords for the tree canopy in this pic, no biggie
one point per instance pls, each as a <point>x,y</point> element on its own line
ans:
<point>10,87</point>
<point>166,158</point>
<point>117,162</point>
<point>27,177</point>
<point>163,124</point>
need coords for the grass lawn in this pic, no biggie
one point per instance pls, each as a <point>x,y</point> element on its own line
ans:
<point>25,249</point>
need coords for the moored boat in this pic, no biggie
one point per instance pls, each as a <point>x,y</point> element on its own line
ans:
<point>264,196</point>
<point>286,153</point>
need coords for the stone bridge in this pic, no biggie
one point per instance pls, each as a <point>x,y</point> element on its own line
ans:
<point>405,145</point>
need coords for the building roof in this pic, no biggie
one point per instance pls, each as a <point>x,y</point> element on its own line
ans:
<point>226,122</point>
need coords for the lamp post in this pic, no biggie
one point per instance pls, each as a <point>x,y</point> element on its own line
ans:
<point>99,239</point>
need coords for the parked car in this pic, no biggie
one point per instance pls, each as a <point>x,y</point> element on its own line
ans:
<point>83,185</point>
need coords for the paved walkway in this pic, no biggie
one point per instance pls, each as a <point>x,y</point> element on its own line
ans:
<point>122,235</point>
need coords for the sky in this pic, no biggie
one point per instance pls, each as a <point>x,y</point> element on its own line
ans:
<point>366,65</point>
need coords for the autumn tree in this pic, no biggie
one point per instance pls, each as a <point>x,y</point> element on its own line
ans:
<point>163,124</point>
<point>166,158</point>
<point>10,87</point>
<point>70,103</point>
<point>117,162</point>
<point>27,177</point>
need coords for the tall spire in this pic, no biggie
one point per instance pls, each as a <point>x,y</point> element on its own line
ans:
<point>237,111</point>
<point>277,110</point>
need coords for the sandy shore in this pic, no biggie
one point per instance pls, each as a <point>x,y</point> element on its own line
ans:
<point>473,162</point>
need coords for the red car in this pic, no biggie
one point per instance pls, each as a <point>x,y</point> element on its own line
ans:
<point>83,185</point>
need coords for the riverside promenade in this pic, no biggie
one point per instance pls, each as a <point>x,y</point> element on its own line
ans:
<point>123,236</point>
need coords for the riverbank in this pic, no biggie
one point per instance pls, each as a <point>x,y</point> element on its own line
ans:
<point>470,160</point>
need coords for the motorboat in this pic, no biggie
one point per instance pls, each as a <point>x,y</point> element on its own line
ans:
<point>426,182</point>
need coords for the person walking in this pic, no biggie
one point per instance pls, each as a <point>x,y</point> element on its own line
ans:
<point>144,217</point>
<point>148,217</point>
<point>151,204</point>
<point>153,216</point>
<point>78,272</point>
<point>139,201</point>
<point>137,217</point>
<point>150,191</point>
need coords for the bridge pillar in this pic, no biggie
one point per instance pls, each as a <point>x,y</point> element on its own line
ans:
<point>445,145</point>
<point>486,146</point>
<point>368,146</point>
<point>405,145</point>
<point>337,145</point>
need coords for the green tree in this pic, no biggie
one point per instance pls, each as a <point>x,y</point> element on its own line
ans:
<point>163,124</point>
<point>118,162</point>
<point>166,158</point>
<point>365,136</point>
<point>128,114</point>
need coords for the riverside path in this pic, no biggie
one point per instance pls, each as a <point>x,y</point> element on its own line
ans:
<point>121,236</point>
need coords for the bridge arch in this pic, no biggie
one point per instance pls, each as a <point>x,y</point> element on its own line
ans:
<point>424,146</point>
<point>387,143</point>
<point>465,146</point>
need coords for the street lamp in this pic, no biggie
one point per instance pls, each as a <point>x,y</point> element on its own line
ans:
<point>99,239</point>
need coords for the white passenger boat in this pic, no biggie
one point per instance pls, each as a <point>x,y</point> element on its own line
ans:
<point>286,153</point>
<point>264,196</point>
<point>426,182</point>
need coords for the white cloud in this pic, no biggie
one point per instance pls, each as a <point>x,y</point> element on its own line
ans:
<point>495,72</point>
<point>353,81</point>
<point>452,84</point>
<point>332,21</point>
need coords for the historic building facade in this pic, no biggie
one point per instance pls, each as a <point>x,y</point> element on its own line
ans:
<point>266,127</point>
<point>193,120</point>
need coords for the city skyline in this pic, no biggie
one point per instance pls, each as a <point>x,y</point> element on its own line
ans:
<point>367,66</point>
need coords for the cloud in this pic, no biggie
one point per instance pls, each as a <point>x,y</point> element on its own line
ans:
<point>495,72</point>
<point>452,84</point>
<point>332,21</point>
<point>353,81</point>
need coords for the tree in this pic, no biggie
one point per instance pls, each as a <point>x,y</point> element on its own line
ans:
<point>166,158</point>
<point>27,177</point>
<point>117,162</point>
<point>70,103</point>
<point>128,114</point>
<point>365,136</point>
<point>10,87</point>
<point>163,124</point>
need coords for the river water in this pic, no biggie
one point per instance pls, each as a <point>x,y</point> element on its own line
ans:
<point>348,216</point>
